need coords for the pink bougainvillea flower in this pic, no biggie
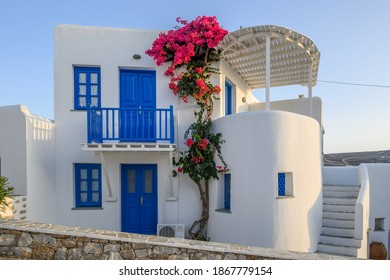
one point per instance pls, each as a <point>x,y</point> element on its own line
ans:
<point>170,71</point>
<point>180,170</point>
<point>203,88</point>
<point>189,142</point>
<point>185,99</point>
<point>219,167</point>
<point>197,160</point>
<point>199,70</point>
<point>203,143</point>
<point>216,90</point>
<point>174,87</point>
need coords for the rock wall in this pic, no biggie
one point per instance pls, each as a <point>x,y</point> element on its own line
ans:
<point>30,240</point>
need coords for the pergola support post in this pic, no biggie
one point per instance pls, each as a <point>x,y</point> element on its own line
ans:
<point>309,88</point>
<point>267,71</point>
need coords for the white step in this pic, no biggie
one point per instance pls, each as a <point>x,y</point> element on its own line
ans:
<point>338,215</point>
<point>339,208</point>
<point>337,250</point>
<point>344,223</point>
<point>340,188</point>
<point>338,231</point>
<point>340,194</point>
<point>339,201</point>
<point>342,241</point>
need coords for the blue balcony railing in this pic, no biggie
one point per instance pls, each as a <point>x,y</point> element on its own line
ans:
<point>130,125</point>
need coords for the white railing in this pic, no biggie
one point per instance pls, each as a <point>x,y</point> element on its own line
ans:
<point>362,211</point>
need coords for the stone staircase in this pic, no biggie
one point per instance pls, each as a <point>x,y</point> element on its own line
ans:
<point>338,221</point>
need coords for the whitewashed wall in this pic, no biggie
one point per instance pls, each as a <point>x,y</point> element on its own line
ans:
<point>379,176</point>
<point>27,158</point>
<point>259,145</point>
<point>298,106</point>
<point>41,189</point>
<point>341,175</point>
<point>13,147</point>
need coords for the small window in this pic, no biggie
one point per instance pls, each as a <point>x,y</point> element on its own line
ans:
<point>281,184</point>
<point>86,87</point>
<point>88,185</point>
<point>228,99</point>
<point>285,184</point>
<point>379,224</point>
<point>227,191</point>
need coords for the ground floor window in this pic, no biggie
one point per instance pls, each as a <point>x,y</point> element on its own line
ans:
<point>227,190</point>
<point>88,185</point>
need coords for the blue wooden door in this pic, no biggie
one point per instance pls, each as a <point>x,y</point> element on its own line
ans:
<point>139,198</point>
<point>138,105</point>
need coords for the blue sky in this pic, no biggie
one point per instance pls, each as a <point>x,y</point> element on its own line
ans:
<point>351,35</point>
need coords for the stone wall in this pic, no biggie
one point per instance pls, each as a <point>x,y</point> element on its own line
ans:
<point>16,209</point>
<point>31,240</point>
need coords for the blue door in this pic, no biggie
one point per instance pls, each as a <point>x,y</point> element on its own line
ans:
<point>138,105</point>
<point>139,198</point>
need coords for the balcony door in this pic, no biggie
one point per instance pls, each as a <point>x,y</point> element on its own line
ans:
<point>138,106</point>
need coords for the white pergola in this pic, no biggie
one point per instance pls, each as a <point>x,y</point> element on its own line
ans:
<point>271,56</point>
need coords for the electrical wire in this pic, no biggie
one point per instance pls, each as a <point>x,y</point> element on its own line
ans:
<point>354,84</point>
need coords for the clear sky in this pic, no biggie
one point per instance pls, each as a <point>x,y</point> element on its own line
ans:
<point>353,37</point>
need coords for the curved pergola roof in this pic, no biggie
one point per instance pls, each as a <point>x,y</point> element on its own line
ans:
<point>292,56</point>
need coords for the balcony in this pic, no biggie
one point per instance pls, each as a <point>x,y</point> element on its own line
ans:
<point>116,125</point>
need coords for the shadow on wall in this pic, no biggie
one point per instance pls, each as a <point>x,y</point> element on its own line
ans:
<point>315,223</point>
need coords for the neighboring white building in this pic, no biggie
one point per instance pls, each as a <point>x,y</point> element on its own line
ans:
<point>27,157</point>
<point>118,126</point>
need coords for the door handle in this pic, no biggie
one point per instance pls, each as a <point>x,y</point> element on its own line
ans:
<point>142,200</point>
<point>140,110</point>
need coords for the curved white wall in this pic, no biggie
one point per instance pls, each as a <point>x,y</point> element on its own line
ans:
<point>258,146</point>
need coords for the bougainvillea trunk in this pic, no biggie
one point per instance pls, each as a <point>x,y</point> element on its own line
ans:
<point>199,227</point>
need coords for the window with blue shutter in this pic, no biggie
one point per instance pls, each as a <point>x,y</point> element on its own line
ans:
<point>88,185</point>
<point>281,184</point>
<point>227,191</point>
<point>86,87</point>
<point>228,99</point>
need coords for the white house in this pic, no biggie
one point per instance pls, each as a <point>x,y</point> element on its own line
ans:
<point>27,157</point>
<point>118,126</point>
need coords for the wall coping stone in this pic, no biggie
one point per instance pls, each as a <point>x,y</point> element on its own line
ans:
<point>37,227</point>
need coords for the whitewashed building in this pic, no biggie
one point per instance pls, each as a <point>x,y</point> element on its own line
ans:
<point>118,126</point>
<point>27,157</point>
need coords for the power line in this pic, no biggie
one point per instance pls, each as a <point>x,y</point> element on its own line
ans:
<point>353,84</point>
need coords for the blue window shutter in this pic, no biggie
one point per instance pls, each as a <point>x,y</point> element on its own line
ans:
<point>88,185</point>
<point>228,99</point>
<point>86,88</point>
<point>227,191</point>
<point>281,184</point>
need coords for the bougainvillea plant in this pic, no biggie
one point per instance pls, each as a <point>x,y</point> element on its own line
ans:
<point>191,48</point>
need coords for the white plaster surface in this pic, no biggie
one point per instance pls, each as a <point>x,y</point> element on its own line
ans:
<point>259,145</point>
